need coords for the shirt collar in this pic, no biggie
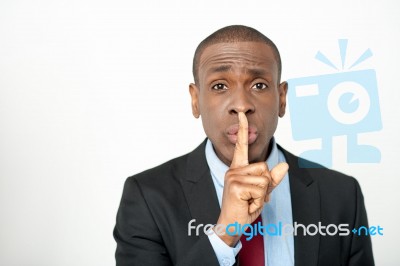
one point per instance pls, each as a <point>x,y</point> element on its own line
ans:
<point>218,168</point>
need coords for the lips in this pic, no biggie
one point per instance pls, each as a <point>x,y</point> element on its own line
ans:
<point>232,131</point>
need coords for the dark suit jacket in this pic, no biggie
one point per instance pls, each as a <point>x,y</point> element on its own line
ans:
<point>156,206</point>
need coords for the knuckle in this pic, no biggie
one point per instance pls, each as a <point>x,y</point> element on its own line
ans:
<point>260,192</point>
<point>262,166</point>
<point>230,178</point>
<point>264,181</point>
<point>236,188</point>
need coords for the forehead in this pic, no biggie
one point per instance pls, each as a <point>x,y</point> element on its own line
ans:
<point>245,55</point>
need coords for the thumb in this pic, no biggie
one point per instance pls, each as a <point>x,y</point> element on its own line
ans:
<point>277,174</point>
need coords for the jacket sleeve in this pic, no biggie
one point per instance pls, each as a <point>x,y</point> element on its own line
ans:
<point>361,247</point>
<point>139,240</point>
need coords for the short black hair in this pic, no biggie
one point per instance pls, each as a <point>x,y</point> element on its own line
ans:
<point>232,34</point>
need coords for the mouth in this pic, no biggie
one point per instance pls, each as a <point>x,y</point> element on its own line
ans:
<point>232,131</point>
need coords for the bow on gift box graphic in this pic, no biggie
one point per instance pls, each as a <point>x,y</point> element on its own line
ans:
<point>345,103</point>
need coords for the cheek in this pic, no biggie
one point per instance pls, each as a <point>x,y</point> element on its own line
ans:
<point>268,116</point>
<point>212,123</point>
<point>211,108</point>
<point>213,116</point>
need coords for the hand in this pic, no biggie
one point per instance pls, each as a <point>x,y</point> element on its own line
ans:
<point>246,186</point>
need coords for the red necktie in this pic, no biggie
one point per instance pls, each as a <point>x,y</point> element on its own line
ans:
<point>252,252</point>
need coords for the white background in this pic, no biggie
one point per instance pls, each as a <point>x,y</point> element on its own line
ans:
<point>92,92</point>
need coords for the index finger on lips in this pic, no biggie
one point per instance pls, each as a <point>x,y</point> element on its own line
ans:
<point>240,156</point>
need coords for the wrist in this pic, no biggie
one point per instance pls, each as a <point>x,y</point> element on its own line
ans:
<point>228,235</point>
<point>230,240</point>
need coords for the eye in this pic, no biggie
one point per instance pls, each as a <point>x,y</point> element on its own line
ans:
<point>219,87</point>
<point>259,86</point>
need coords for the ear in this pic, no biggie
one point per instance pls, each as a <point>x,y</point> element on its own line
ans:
<point>283,88</point>
<point>194,93</point>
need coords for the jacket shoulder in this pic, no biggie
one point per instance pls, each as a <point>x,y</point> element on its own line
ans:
<point>164,173</point>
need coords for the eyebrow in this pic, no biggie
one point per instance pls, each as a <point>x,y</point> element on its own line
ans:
<point>222,68</point>
<point>257,72</point>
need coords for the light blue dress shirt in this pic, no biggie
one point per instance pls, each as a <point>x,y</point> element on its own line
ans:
<point>278,250</point>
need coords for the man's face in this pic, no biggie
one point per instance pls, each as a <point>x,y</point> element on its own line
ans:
<point>238,77</point>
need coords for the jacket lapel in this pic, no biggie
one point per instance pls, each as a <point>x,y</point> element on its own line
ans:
<point>199,188</point>
<point>306,210</point>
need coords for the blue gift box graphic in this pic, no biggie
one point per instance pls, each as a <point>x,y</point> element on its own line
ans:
<point>344,103</point>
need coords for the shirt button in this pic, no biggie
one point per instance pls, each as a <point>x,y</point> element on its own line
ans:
<point>226,262</point>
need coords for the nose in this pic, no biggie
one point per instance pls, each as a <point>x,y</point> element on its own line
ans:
<point>241,102</point>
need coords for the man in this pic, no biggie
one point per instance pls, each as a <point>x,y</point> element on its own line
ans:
<point>238,176</point>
